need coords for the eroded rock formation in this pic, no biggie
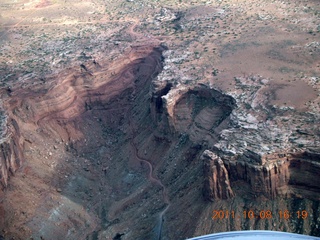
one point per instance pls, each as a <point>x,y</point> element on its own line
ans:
<point>216,178</point>
<point>232,148</point>
<point>265,152</point>
<point>198,111</point>
<point>281,174</point>
<point>63,101</point>
<point>273,175</point>
<point>266,175</point>
<point>65,129</point>
<point>11,147</point>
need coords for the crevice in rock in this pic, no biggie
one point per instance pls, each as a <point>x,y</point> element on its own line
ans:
<point>157,97</point>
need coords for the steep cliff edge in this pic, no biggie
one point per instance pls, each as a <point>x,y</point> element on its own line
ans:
<point>259,143</point>
<point>11,148</point>
<point>65,135</point>
<point>216,178</point>
<point>112,150</point>
<point>280,174</point>
<point>252,154</point>
<point>60,100</point>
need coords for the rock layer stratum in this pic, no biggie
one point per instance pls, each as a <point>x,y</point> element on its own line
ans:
<point>118,151</point>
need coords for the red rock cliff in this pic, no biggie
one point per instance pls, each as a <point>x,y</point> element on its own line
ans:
<point>10,152</point>
<point>216,178</point>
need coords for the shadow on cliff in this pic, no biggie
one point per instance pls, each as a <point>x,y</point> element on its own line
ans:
<point>79,136</point>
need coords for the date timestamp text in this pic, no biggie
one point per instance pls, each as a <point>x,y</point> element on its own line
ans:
<point>262,214</point>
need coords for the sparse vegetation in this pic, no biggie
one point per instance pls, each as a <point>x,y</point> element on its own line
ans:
<point>246,49</point>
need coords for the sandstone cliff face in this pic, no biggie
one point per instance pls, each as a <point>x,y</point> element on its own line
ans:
<point>258,143</point>
<point>216,178</point>
<point>200,142</point>
<point>70,131</point>
<point>250,150</point>
<point>67,99</point>
<point>264,176</point>
<point>273,175</point>
<point>11,147</point>
<point>199,112</point>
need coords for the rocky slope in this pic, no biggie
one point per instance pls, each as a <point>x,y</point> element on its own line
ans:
<point>11,155</point>
<point>255,151</point>
<point>158,119</point>
<point>181,145</point>
<point>54,132</point>
<point>198,144</point>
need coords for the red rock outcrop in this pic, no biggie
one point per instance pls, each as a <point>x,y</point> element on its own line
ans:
<point>233,129</point>
<point>75,125</point>
<point>265,175</point>
<point>278,174</point>
<point>197,111</point>
<point>74,117</point>
<point>11,147</point>
<point>64,99</point>
<point>216,178</point>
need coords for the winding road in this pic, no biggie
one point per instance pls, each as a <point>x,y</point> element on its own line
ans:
<point>152,179</point>
<point>151,176</point>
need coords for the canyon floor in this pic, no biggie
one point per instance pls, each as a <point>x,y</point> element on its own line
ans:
<point>158,119</point>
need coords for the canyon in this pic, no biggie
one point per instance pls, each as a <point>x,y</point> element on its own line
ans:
<point>99,149</point>
<point>133,131</point>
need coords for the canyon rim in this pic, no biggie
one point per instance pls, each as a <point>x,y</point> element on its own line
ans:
<point>140,120</point>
